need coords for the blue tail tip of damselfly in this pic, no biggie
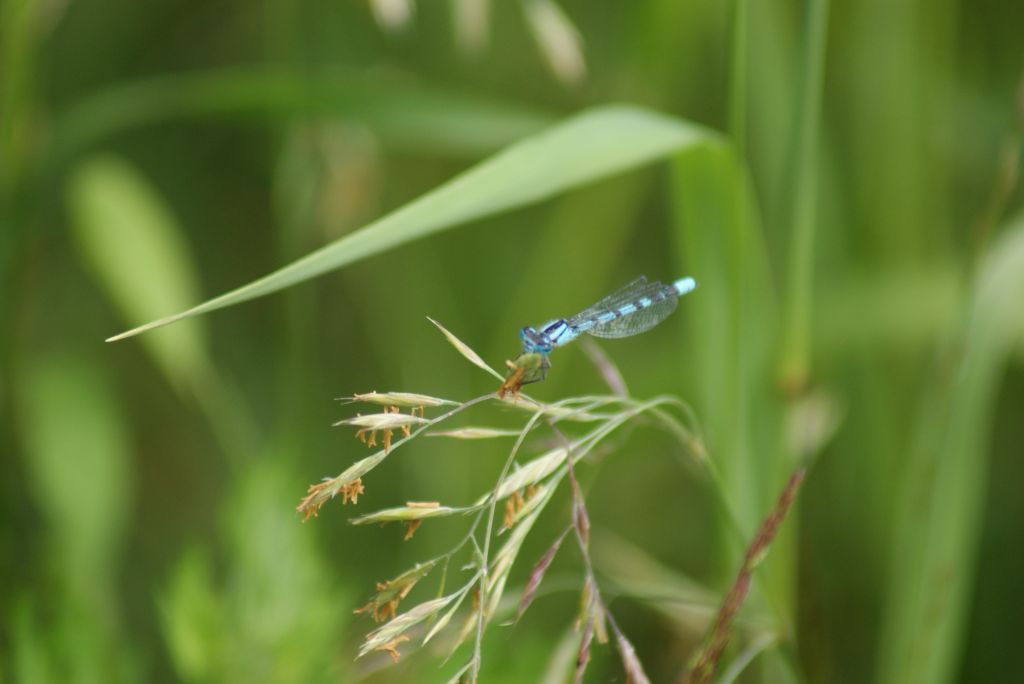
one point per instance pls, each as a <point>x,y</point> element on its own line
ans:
<point>684,285</point>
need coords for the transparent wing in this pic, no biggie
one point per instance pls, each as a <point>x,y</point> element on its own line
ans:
<point>636,322</point>
<point>624,295</point>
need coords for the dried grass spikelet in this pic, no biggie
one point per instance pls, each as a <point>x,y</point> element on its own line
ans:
<point>385,423</point>
<point>391,592</point>
<point>315,496</point>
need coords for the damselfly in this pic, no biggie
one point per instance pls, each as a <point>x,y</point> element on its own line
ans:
<point>637,307</point>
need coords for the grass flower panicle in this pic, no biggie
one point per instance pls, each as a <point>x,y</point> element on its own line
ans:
<point>523,490</point>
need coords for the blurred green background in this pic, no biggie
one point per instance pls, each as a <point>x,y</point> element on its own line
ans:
<point>855,228</point>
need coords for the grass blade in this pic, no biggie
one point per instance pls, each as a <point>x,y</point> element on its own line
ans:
<point>78,465</point>
<point>399,112</point>
<point>935,545</point>
<point>130,240</point>
<point>593,145</point>
<point>465,350</point>
<point>719,234</point>
<point>804,197</point>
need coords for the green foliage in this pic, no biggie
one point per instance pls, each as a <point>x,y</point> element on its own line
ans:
<point>79,470</point>
<point>273,615</point>
<point>80,474</point>
<point>858,312</point>
<point>941,502</point>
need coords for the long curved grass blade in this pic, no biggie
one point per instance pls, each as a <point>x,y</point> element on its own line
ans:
<point>400,112</point>
<point>933,567</point>
<point>129,239</point>
<point>593,145</point>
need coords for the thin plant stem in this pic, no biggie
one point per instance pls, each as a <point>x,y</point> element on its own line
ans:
<point>485,560</point>
<point>588,563</point>
<point>738,78</point>
<point>803,217</point>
